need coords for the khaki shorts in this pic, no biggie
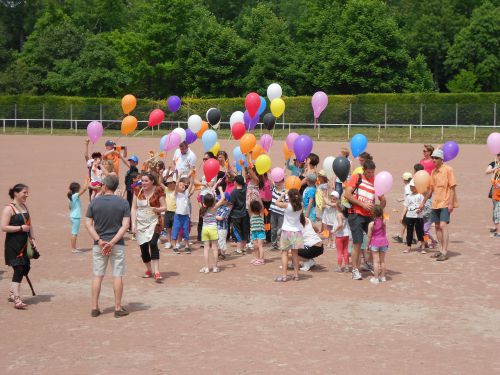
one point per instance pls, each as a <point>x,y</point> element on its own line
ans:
<point>100,262</point>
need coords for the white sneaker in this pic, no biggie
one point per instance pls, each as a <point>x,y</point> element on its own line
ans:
<point>204,270</point>
<point>375,280</point>
<point>308,264</point>
<point>382,279</point>
<point>215,269</point>
<point>356,275</point>
<point>76,251</point>
<point>168,245</point>
<point>249,246</point>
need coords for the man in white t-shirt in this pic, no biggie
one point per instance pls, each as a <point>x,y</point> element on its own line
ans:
<point>184,160</point>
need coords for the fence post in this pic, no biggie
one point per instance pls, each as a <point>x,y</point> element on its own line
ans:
<point>318,130</point>
<point>43,115</point>
<point>189,109</point>
<point>349,125</point>
<point>100,113</point>
<point>71,116</point>
<point>456,114</point>
<point>15,115</point>
<point>76,126</point>
<point>475,133</point>
<point>442,132</point>
<point>421,113</point>
<point>27,126</point>
<point>51,126</point>
<point>4,125</point>
<point>410,132</point>
<point>378,137</point>
<point>385,116</point>
<point>494,115</point>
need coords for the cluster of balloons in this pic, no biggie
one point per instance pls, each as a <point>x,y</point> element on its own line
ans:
<point>129,123</point>
<point>298,145</point>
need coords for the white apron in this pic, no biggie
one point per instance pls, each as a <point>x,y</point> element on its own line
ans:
<point>146,219</point>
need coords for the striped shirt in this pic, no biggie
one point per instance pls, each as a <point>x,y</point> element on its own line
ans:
<point>276,195</point>
<point>257,223</point>
<point>209,220</point>
<point>223,211</point>
<point>364,194</point>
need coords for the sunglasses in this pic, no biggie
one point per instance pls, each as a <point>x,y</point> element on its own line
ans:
<point>435,158</point>
<point>205,159</point>
<point>425,151</point>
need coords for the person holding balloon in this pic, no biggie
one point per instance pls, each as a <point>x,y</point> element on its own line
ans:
<point>278,178</point>
<point>494,170</point>
<point>239,214</point>
<point>114,154</point>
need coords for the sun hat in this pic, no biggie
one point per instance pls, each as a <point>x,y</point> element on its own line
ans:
<point>322,173</point>
<point>169,180</point>
<point>407,176</point>
<point>134,158</point>
<point>109,142</point>
<point>335,194</point>
<point>438,153</point>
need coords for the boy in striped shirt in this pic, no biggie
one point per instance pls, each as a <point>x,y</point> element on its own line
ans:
<point>276,213</point>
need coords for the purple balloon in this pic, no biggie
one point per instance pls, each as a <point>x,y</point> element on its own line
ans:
<point>450,150</point>
<point>266,141</point>
<point>250,123</point>
<point>190,136</point>
<point>302,147</point>
<point>174,103</point>
<point>319,102</point>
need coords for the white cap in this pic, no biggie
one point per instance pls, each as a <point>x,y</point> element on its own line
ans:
<point>335,194</point>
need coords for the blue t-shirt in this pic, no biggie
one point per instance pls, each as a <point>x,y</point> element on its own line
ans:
<point>296,171</point>
<point>309,193</point>
<point>75,207</point>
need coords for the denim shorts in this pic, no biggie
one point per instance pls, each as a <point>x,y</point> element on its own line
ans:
<point>259,235</point>
<point>439,215</point>
<point>379,249</point>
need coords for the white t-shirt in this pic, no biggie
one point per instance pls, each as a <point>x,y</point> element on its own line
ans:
<point>182,203</point>
<point>291,220</point>
<point>311,238</point>
<point>412,203</point>
<point>184,162</point>
<point>407,190</point>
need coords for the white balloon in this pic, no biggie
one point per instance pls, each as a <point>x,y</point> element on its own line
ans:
<point>181,132</point>
<point>328,166</point>
<point>194,123</point>
<point>237,116</point>
<point>274,91</point>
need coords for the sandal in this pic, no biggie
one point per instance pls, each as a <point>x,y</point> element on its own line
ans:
<point>280,279</point>
<point>18,304</point>
<point>406,251</point>
<point>436,255</point>
<point>296,278</point>
<point>423,251</point>
<point>258,262</point>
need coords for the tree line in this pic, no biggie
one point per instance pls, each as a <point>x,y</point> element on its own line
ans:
<point>227,48</point>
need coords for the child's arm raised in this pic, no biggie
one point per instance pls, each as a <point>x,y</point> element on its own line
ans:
<point>85,187</point>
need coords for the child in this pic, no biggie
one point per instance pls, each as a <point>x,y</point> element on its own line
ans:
<point>339,188</point>
<point>321,193</point>
<point>239,215</point>
<point>209,234</point>
<point>296,169</point>
<point>223,225</point>
<point>96,177</point>
<point>330,216</point>
<point>407,177</point>
<point>377,239</point>
<point>412,217</point>
<point>170,213</point>
<point>291,233</point>
<point>75,210</point>
<point>258,231</point>
<point>182,212</point>
<point>276,212</point>
<point>309,198</point>
<point>342,234</point>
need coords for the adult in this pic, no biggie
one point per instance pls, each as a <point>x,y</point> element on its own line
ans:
<point>427,161</point>
<point>493,170</point>
<point>442,191</point>
<point>147,222</point>
<point>16,223</point>
<point>224,169</point>
<point>313,246</point>
<point>362,158</point>
<point>184,160</point>
<point>114,154</point>
<point>108,218</point>
<point>360,192</point>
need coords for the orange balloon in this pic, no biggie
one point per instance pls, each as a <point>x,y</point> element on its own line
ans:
<point>286,152</point>
<point>129,124</point>
<point>247,143</point>
<point>422,181</point>
<point>204,128</point>
<point>128,103</point>
<point>292,182</point>
<point>257,150</point>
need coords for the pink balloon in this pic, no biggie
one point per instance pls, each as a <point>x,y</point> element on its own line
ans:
<point>277,174</point>
<point>172,141</point>
<point>156,117</point>
<point>319,102</point>
<point>493,143</point>
<point>383,183</point>
<point>266,141</point>
<point>290,140</point>
<point>94,131</point>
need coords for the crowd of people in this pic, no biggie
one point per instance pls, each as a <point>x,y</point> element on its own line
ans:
<point>243,207</point>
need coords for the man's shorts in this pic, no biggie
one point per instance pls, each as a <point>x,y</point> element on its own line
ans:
<point>209,234</point>
<point>439,215</point>
<point>100,262</point>
<point>358,225</point>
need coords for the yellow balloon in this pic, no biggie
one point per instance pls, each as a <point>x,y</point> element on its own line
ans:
<point>358,170</point>
<point>277,107</point>
<point>263,164</point>
<point>129,124</point>
<point>128,103</point>
<point>215,149</point>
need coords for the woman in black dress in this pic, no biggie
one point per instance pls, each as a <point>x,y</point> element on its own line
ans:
<point>16,224</point>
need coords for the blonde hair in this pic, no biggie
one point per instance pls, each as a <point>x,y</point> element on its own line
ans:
<point>344,151</point>
<point>108,164</point>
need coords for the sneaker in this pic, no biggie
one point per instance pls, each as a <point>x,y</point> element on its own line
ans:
<point>188,250</point>
<point>158,277</point>
<point>249,246</point>
<point>168,245</point>
<point>19,304</point>
<point>177,249</point>
<point>275,246</point>
<point>442,257</point>
<point>346,269</point>
<point>94,313</point>
<point>215,269</point>
<point>382,279</point>
<point>397,239</point>
<point>11,296</point>
<point>204,270</point>
<point>356,275</point>
<point>337,269</point>
<point>375,280</point>
<point>121,313</point>
<point>76,251</point>
<point>308,264</point>
<point>147,275</point>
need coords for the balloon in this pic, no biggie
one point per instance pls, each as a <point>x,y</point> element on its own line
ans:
<point>290,140</point>
<point>262,164</point>
<point>269,121</point>
<point>493,143</point>
<point>210,168</point>
<point>341,166</point>
<point>238,155</point>
<point>358,144</point>
<point>128,103</point>
<point>450,150</point>
<point>292,182</point>
<point>238,130</point>
<point>383,183</point>
<point>277,174</point>
<point>358,170</point>
<point>156,117</point>
<point>328,166</point>
<point>422,181</point>
<point>162,142</point>
<point>129,124</point>
<point>274,91</point>
<point>257,150</point>
<point>204,128</point>
<point>262,107</point>
<point>319,102</point>
<point>286,152</point>
<point>194,123</point>
<point>213,116</point>
<point>302,147</point>
<point>209,138</point>
<point>190,136</point>
<point>277,107</point>
<point>236,117</point>
<point>171,142</point>
<point>181,132</point>
<point>215,150</point>
<point>266,141</point>
<point>250,122</point>
<point>94,131</point>
<point>247,143</point>
<point>173,103</point>
<point>252,103</point>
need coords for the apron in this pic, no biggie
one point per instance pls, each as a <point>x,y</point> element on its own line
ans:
<point>147,220</point>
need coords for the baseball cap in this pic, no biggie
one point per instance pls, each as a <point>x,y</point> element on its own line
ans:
<point>109,142</point>
<point>239,180</point>
<point>134,158</point>
<point>407,176</point>
<point>335,194</point>
<point>438,153</point>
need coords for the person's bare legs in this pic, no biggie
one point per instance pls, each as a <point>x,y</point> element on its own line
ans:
<point>154,266</point>
<point>444,237</point>
<point>439,234</point>
<point>284,262</point>
<point>376,263</point>
<point>96,290</point>
<point>118,289</point>
<point>295,261</point>
<point>382,264</point>
<point>73,242</point>
<point>355,258</point>
<point>206,249</point>
<point>215,253</point>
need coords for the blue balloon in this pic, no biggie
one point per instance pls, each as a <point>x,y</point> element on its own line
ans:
<point>262,107</point>
<point>358,144</point>
<point>162,142</point>
<point>238,167</point>
<point>237,153</point>
<point>209,138</point>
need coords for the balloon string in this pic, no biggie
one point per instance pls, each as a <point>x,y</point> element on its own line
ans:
<point>140,131</point>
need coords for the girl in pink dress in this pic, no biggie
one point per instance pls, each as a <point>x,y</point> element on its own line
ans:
<point>378,243</point>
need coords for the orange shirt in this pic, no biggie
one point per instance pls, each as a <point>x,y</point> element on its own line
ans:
<point>496,187</point>
<point>116,160</point>
<point>365,193</point>
<point>442,180</point>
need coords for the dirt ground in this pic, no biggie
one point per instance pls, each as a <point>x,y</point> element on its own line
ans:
<point>430,317</point>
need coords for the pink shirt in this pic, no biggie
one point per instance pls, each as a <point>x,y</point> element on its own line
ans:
<point>379,237</point>
<point>265,193</point>
<point>229,186</point>
<point>428,165</point>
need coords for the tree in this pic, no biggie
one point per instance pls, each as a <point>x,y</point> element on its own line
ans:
<point>464,81</point>
<point>418,76</point>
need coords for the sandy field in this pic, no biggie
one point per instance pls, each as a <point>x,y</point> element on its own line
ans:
<point>429,318</point>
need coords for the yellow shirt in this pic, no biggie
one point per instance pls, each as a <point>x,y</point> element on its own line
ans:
<point>442,180</point>
<point>170,198</point>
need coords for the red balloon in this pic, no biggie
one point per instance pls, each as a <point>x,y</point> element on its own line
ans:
<point>210,168</point>
<point>252,103</point>
<point>156,117</point>
<point>238,130</point>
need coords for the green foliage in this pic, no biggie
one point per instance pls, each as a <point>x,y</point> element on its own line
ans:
<point>465,81</point>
